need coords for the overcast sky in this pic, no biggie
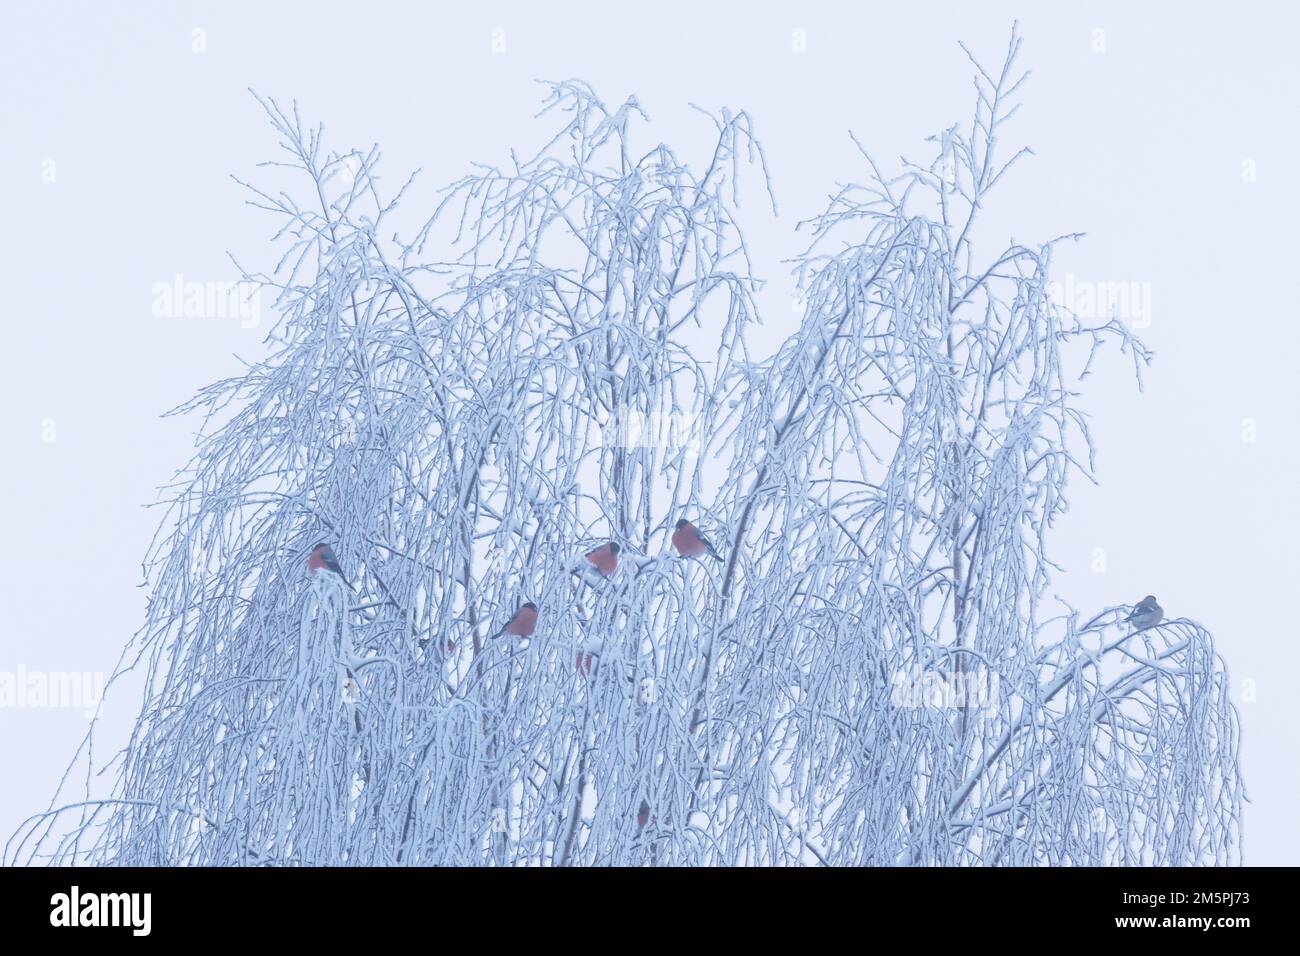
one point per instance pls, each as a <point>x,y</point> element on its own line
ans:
<point>1168,136</point>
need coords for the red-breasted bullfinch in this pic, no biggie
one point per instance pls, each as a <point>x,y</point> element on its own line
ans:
<point>690,544</point>
<point>589,654</point>
<point>643,815</point>
<point>598,564</point>
<point>605,558</point>
<point>522,624</point>
<point>322,556</point>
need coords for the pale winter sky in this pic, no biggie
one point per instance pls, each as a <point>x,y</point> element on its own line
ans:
<point>1165,132</point>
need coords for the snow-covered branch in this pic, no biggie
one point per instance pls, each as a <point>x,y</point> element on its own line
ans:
<point>464,409</point>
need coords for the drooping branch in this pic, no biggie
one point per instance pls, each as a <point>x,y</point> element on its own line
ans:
<point>872,674</point>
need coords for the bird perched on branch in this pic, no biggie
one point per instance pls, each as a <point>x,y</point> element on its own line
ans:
<point>599,564</point>
<point>521,624</point>
<point>322,557</point>
<point>589,654</point>
<point>1146,613</point>
<point>690,543</point>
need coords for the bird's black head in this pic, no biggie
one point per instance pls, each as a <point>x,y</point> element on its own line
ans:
<point>614,548</point>
<point>682,524</point>
<point>320,544</point>
<point>1149,599</point>
<point>530,605</point>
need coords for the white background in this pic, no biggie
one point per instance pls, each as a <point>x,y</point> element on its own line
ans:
<point>1142,145</point>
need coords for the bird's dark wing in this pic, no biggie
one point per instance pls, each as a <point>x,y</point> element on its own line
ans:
<point>708,546</point>
<point>327,558</point>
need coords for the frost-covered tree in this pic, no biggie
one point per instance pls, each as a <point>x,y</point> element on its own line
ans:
<point>875,673</point>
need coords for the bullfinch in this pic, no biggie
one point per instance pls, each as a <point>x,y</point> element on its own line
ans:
<point>598,564</point>
<point>522,624</point>
<point>690,543</point>
<point>322,557</point>
<point>1146,613</point>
